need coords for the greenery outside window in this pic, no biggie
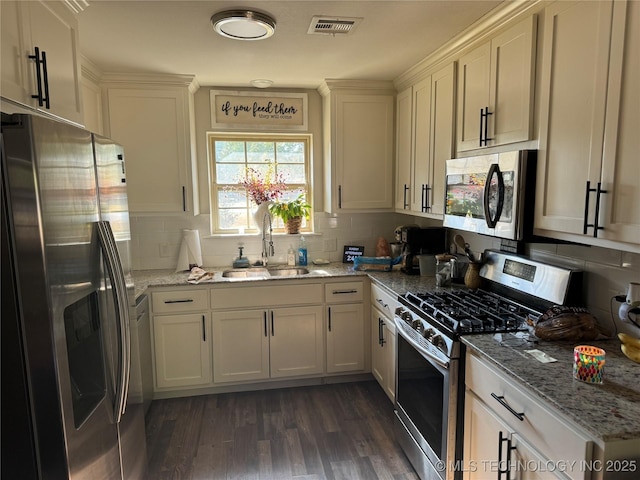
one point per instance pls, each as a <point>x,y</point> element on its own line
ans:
<point>230,155</point>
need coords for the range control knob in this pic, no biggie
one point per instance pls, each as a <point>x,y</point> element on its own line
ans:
<point>439,342</point>
<point>406,316</point>
<point>428,333</point>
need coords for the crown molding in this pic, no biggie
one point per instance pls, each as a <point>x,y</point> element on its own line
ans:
<point>152,79</point>
<point>377,86</point>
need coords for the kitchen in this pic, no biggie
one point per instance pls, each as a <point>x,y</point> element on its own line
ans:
<point>611,265</point>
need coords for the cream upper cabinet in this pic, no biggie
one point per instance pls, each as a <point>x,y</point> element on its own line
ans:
<point>424,141</point>
<point>404,148</point>
<point>588,168</point>
<point>358,145</point>
<point>50,80</point>
<point>495,89</point>
<point>154,124</point>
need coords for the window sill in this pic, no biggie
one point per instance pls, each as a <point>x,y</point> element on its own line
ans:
<point>259,234</point>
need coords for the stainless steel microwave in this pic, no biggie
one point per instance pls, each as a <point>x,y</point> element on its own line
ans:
<point>491,194</point>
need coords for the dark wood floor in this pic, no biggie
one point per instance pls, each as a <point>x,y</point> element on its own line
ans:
<point>341,431</point>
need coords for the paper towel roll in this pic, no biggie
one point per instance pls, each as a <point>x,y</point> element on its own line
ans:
<point>190,252</point>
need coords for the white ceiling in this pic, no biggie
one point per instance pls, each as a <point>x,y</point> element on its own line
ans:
<point>176,37</point>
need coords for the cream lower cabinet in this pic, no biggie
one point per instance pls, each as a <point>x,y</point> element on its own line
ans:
<point>181,332</point>
<point>505,427</point>
<point>345,327</point>
<point>182,350</point>
<point>383,339</point>
<point>587,164</point>
<point>261,344</point>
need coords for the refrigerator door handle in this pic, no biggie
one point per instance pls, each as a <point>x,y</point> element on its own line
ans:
<point>114,267</point>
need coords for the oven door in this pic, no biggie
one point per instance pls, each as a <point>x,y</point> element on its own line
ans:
<point>427,407</point>
<point>485,194</point>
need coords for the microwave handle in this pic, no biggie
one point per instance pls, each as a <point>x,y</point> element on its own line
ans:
<point>493,221</point>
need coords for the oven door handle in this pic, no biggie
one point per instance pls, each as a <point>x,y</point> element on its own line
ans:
<point>426,354</point>
<point>494,170</point>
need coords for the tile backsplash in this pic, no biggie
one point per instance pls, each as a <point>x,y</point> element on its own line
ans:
<point>156,243</point>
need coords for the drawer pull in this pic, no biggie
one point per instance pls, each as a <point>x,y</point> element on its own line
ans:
<point>502,401</point>
<point>342,292</point>
<point>186,300</point>
<point>384,305</point>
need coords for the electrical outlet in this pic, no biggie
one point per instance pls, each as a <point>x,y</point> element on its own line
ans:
<point>330,245</point>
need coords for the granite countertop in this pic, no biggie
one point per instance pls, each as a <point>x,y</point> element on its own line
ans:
<point>608,412</point>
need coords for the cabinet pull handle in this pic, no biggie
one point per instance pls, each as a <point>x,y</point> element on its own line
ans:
<point>341,292</point>
<point>184,199</point>
<point>273,332</point>
<point>329,318</point>
<point>425,197</point>
<point>588,191</point>
<point>503,402</point>
<point>204,331</point>
<point>266,329</point>
<point>45,74</point>
<point>339,196</point>
<point>36,58</point>
<point>384,305</point>
<point>596,225</point>
<point>381,325</point>
<point>405,204</point>
<point>185,300</point>
<point>507,464</point>
<point>484,126</point>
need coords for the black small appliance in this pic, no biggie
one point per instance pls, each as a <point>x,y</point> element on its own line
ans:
<point>417,241</point>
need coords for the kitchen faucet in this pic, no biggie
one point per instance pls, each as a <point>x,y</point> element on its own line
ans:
<point>267,251</point>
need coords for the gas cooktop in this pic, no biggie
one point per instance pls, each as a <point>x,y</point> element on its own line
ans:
<point>470,311</point>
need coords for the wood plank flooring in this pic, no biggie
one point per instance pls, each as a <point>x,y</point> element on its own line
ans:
<point>341,431</point>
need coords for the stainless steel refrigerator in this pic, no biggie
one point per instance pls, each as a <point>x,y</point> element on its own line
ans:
<point>67,295</point>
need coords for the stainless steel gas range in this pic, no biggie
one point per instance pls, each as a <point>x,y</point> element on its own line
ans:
<point>430,356</point>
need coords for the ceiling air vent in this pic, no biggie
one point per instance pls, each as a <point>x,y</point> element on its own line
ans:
<point>325,25</point>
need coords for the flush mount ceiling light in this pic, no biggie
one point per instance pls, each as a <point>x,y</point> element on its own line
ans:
<point>261,83</point>
<point>243,24</point>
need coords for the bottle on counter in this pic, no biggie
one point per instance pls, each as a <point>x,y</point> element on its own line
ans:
<point>302,252</point>
<point>291,256</point>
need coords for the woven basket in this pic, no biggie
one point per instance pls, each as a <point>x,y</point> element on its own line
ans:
<point>293,225</point>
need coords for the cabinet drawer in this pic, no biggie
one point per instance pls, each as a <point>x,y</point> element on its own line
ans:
<point>543,428</point>
<point>266,296</point>
<point>384,300</point>
<point>180,301</point>
<point>344,292</point>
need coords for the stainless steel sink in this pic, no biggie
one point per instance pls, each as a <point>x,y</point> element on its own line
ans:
<point>261,272</point>
<point>253,272</point>
<point>287,271</point>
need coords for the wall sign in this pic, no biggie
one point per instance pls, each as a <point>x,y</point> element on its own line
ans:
<point>258,110</point>
<point>351,252</point>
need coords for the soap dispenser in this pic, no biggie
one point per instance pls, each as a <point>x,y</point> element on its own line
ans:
<point>291,256</point>
<point>302,252</point>
<point>241,262</point>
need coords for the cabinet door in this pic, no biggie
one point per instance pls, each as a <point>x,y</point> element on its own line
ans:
<point>15,51</point>
<point>151,124</point>
<point>621,168</point>
<point>54,29</point>
<point>404,148</point>
<point>575,59</point>
<point>240,346</point>
<point>482,430</point>
<point>297,341</point>
<point>421,174</point>
<point>182,350</point>
<point>364,151</point>
<point>443,90</point>
<point>529,464</point>
<point>345,338</point>
<point>473,95</point>
<point>512,79</point>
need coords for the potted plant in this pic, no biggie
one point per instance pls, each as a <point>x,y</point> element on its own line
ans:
<point>291,212</point>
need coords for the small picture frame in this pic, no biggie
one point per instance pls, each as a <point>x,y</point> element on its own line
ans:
<point>351,252</point>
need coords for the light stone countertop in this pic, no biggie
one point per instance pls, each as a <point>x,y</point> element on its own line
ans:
<point>608,412</point>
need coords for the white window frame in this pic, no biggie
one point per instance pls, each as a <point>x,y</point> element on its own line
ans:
<point>215,187</point>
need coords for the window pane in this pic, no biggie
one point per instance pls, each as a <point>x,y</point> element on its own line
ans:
<point>229,152</point>
<point>232,199</point>
<point>229,172</point>
<point>233,219</point>
<point>290,152</point>
<point>293,173</point>
<point>260,152</point>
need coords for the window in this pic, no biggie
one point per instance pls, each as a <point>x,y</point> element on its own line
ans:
<point>230,155</point>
